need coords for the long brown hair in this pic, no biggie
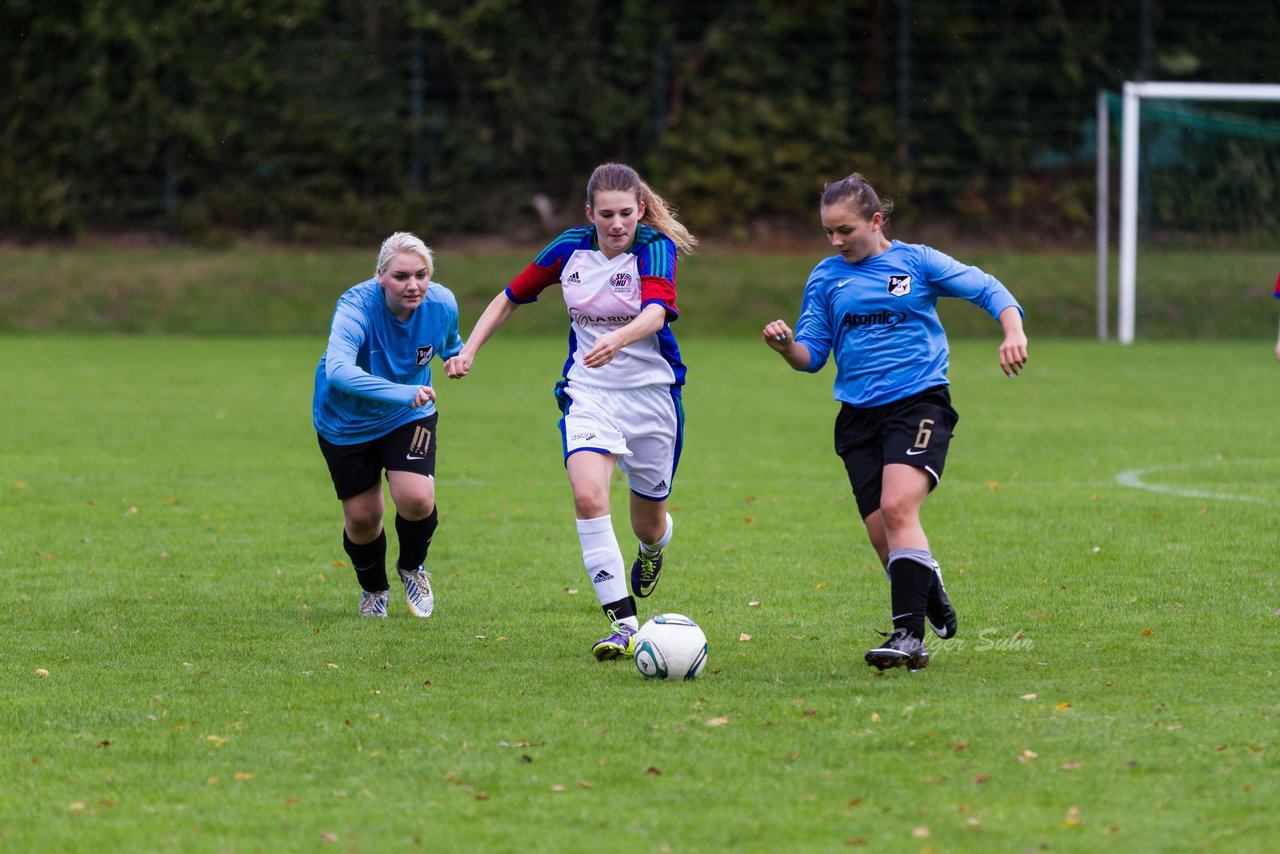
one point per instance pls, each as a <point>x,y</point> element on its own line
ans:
<point>619,177</point>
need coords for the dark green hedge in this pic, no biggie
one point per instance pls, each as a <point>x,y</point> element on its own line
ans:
<point>322,120</point>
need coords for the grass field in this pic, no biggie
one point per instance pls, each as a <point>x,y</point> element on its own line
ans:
<point>274,290</point>
<point>184,668</point>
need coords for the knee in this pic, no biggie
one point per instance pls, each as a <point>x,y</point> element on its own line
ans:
<point>898,513</point>
<point>416,507</point>
<point>590,503</point>
<point>363,525</point>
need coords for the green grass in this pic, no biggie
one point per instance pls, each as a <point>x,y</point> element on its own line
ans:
<point>254,290</point>
<point>173,563</point>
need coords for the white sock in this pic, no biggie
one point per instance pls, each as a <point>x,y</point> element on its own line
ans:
<point>652,549</point>
<point>602,558</point>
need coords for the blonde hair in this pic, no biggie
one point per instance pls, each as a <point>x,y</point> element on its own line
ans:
<point>618,177</point>
<point>405,242</point>
<point>856,190</point>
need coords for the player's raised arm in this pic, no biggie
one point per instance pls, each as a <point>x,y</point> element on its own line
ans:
<point>495,314</point>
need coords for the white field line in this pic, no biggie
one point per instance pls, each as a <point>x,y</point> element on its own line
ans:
<point>1134,478</point>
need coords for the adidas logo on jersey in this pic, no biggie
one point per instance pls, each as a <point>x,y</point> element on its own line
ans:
<point>662,484</point>
<point>573,279</point>
<point>602,576</point>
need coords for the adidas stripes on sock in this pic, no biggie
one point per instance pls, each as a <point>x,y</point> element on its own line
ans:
<point>603,561</point>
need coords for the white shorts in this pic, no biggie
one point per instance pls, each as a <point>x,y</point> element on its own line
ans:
<point>643,426</point>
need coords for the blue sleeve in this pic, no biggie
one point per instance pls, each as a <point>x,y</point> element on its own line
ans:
<point>452,339</point>
<point>342,367</point>
<point>813,328</point>
<point>953,279</point>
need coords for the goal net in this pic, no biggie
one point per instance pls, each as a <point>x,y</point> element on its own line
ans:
<point>1199,182</point>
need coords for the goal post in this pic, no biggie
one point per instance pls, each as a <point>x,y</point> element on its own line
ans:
<point>1133,95</point>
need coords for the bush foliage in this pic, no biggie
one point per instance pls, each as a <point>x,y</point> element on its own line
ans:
<point>317,119</point>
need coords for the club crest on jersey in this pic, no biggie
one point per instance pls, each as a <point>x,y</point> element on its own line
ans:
<point>899,286</point>
<point>620,281</point>
<point>425,353</point>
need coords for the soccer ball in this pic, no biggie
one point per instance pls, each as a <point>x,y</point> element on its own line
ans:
<point>670,646</point>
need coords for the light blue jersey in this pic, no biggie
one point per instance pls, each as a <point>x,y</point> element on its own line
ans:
<point>879,316</point>
<point>375,362</point>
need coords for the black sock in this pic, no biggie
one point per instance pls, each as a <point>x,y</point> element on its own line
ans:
<point>370,562</point>
<point>621,609</point>
<point>415,539</point>
<point>909,582</point>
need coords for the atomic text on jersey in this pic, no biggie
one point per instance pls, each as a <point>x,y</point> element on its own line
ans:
<point>879,316</point>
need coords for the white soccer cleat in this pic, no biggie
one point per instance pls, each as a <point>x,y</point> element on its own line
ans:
<point>417,590</point>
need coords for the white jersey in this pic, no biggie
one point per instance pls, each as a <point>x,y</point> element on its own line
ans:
<point>603,294</point>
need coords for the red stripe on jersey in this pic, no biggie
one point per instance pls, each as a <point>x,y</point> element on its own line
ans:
<point>1277,294</point>
<point>658,288</point>
<point>533,281</point>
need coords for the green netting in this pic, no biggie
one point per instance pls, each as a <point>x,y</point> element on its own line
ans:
<point>1209,172</point>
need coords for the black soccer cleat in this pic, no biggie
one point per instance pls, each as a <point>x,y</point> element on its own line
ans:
<point>645,573</point>
<point>941,616</point>
<point>899,649</point>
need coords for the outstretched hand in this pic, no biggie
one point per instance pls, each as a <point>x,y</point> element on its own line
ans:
<point>459,366</point>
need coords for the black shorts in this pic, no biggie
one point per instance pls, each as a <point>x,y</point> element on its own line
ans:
<point>356,468</point>
<point>914,431</point>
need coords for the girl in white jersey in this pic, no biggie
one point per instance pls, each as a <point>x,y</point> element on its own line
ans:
<point>874,307</point>
<point>620,396</point>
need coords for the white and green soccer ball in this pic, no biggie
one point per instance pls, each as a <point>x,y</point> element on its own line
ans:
<point>670,646</point>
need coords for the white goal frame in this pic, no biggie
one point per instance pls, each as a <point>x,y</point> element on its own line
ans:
<point>1134,92</point>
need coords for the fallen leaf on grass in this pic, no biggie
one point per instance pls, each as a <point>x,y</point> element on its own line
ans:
<point>1073,817</point>
<point>1027,755</point>
<point>1061,706</point>
<point>243,775</point>
<point>557,787</point>
<point>329,837</point>
<point>1028,696</point>
<point>753,604</point>
<point>921,833</point>
<point>1146,633</point>
<point>721,721</point>
<point>40,671</point>
<point>652,771</point>
<point>744,637</point>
